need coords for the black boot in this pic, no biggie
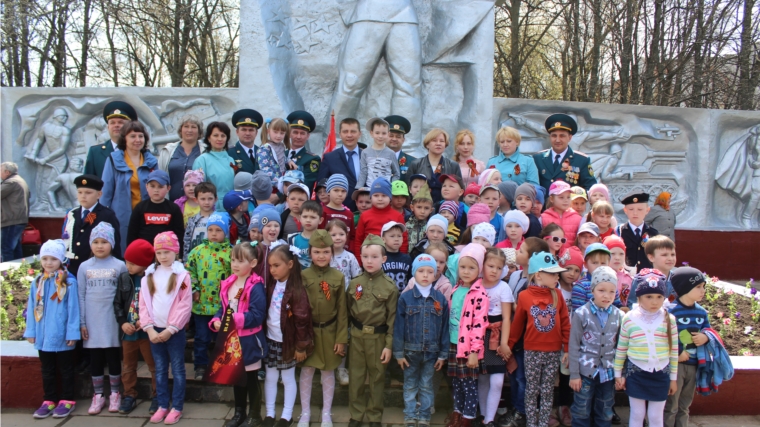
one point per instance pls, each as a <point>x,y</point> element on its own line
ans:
<point>236,419</point>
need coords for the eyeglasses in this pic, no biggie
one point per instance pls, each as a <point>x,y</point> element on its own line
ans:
<point>556,239</point>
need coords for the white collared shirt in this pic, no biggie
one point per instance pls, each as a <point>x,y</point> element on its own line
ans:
<point>292,150</point>
<point>356,158</point>
<point>114,145</point>
<point>92,208</point>
<point>561,155</point>
<point>634,228</point>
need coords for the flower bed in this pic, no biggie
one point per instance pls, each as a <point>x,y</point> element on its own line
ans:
<point>735,314</point>
<point>14,292</point>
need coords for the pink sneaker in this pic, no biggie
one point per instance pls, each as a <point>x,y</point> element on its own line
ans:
<point>98,402</point>
<point>173,417</point>
<point>114,402</point>
<point>159,415</point>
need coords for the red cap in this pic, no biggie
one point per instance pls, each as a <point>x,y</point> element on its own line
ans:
<point>452,177</point>
<point>571,256</point>
<point>472,188</point>
<point>140,252</point>
<point>614,241</point>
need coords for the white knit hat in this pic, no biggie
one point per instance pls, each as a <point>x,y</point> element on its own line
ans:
<point>518,217</point>
<point>485,230</point>
<point>54,248</point>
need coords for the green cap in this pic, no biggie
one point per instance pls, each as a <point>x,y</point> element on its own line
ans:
<point>320,239</point>
<point>423,193</point>
<point>399,188</point>
<point>373,240</point>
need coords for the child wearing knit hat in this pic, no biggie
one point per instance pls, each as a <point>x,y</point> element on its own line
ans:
<point>134,341</point>
<point>371,221</point>
<point>596,256</point>
<point>450,210</point>
<point>648,349</point>
<point>337,189</point>
<point>435,232</point>
<point>516,226</point>
<point>525,199</point>
<point>471,195</point>
<point>188,204</point>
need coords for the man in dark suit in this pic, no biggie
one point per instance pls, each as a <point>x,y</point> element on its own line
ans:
<point>301,125</point>
<point>398,127</point>
<point>560,163</point>
<point>344,160</point>
<point>89,214</point>
<point>247,123</point>
<point>116,114</point>
<point>635,232</point>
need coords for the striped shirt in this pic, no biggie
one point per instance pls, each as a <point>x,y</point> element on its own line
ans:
<point>646,343</point>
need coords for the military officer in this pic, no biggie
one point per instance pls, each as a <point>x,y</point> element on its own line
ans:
<point>302,124</point>
<point>635,232</point>
<point>247,123</point>
<point>561,163</point>
<point>77,237</point>
<point>116,114</point>
<point>399,127</point>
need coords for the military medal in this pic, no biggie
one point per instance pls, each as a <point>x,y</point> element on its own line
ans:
<point>325,289</point>
<point>359,292</point>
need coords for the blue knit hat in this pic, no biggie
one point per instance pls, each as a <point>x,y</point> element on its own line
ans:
<point>221,220</point>
<point>337,180</point>
<point>649,281</point>
<point>268,215</point>
<point>424,260</point>
<point>540,194</point>
<point>381,185</point>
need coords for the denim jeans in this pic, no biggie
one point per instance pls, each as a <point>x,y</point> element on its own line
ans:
<point>418,379</point>
<point>594,396</point>
<point>10,242</point>
<point>517,382</point>
<point>203,337</point>
<point>165,354</point>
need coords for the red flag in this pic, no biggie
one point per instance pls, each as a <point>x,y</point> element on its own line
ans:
<point>331,137</point>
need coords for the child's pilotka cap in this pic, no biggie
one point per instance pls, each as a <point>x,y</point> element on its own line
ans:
<point>589,227</point>
<point>161,177</point>
<point>571,256</point>
<point>517,217</point>
<point>486,231</point>
<point>423,193</point>
<point>614,241</point>
<point>603,274</point>
<point>684,279</point>
<point>450,206</point>
<point>399,188</point>
<point>266,216</point>
<point>577,192</point>
<point>649,281</point>
<point>381,185</point>
<point>424,260</point>
<point>194,177</point>
<point>472,188</point>
<point>478,213</point>
<point>438,220</point>
<point>54,248</point>
<point>337,180</point>
<point>485,176</point>
<point>474,251</point>
<point>543,262</point>
<point>596,247</point>
<point>166,241</point>
<point>508,189</point>
<point>140,252</point>
<point>359,191</point>
<point>320,239</point>
<point>388,225</point>
<point>104,231</point>
<point>234,198</point>
<point>511,255</point>
<point>373,240</point>
<point>451,177</point>
<point>221,220</point>
<point>527,190</point>
<point>559,187</point>
<point>600,188</point>
<point>261,185</point>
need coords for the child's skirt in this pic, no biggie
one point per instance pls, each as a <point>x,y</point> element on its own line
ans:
<point>494,363</point>
<point>274,357</point>
<point>644,385</point>
<point>458,365</point>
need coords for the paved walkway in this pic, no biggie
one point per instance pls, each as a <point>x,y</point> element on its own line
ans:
<point>214,414</point>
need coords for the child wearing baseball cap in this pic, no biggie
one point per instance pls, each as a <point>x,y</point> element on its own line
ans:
<point>397,265</point>
<point>596,255</point>
<point>561,213</point>
<point>156,214</point>
<point>236,204</point>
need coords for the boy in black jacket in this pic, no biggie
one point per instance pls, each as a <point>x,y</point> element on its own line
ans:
<point>139,255</point>
<point>157,214</point>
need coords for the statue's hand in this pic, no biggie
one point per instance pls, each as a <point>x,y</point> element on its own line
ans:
<point>755,164</point>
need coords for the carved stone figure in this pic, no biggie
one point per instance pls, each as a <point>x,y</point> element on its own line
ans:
<point>739,173</point>
<point>605,165</point>
<point>54,137</point>
<point>608,135</point>
<point>65,182</point>
<point>382,29</point>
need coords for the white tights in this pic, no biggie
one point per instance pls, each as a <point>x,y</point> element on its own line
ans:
<point>328,390</point>
<point>489,394</point>
<point>270,391</point>
<point>639,409</point>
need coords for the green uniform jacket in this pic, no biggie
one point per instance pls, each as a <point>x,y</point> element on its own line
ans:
<point>97,156</point>
<point>308,163</point>
<point>242,161</point>
<point>208,264</point>
<point>404,161</point>
<point>377,304</point>
<point>577,170</point>
<point>325,310</point>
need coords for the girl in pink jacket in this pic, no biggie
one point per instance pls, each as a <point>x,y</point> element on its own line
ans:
<point>561,213</point>
<point>467,328</point>
<point>166,300</point>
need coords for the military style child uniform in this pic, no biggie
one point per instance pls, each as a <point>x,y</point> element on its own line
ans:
<point>372,300</point>
<point>636,239</point>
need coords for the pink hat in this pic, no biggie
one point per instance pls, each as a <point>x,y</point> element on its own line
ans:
<point>479,212</point>
<point>485,176</point>
<point>193,177</point>
<point>600,188</point>
<point>614,241</point>
<point>475,251</point>
<point>571,256</point>
<point>166,241</point>
<point>559,187</point>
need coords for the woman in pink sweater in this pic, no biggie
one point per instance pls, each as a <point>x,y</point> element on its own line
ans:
<point>561,213</point>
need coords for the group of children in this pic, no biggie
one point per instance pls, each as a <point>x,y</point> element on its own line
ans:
<point>492,287</point>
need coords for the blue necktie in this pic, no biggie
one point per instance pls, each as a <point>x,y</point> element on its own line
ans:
<point>85,213</point>
<point>351,166</point>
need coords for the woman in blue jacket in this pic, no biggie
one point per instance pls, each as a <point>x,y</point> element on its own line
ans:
<point>126,174</point>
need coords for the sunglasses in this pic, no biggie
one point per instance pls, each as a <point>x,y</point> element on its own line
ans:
<point>556,239</point>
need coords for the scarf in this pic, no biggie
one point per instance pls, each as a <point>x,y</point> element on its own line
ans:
<point>60,291</point>
<point>278,148</point>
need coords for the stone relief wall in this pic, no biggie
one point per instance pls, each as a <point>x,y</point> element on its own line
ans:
<point>47,132</point>
<point>709,160</point>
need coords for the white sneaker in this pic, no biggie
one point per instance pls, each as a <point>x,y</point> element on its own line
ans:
<point>343,376</point>
<point>304,420</point>
<point>326,420</point>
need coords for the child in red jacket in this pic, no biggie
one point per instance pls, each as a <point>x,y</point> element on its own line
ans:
<point>371,221</point>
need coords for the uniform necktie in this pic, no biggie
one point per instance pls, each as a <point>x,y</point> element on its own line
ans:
<point>351,166</point>
<point>556,161</point>
<point>293,155</point>
<point>638,233</point>
<point>250,155</point>
<point>85,213</point>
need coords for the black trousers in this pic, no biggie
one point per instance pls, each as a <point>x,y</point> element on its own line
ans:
<point>100,356</point>
<point>252,391</point>
<point>564,392</point>
<point>65,362</point>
